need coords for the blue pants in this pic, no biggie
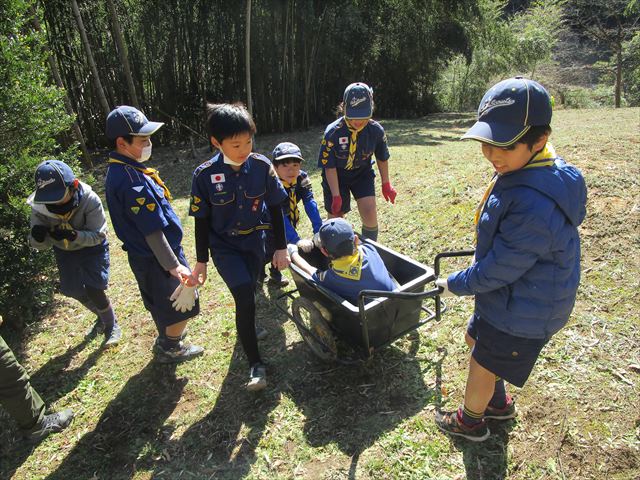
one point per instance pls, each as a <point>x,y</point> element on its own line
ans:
<point>80,268</point>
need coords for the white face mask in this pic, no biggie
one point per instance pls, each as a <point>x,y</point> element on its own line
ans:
<point>228,161</point>
<point>146,153</point>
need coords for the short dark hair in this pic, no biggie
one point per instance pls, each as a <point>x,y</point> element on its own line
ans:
<point>286,161</point>
<point>226,120</point>
<point>534,134</point>
<point>127,138</point>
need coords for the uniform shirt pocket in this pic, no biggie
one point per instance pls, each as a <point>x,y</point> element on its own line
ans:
<point>220,199</point>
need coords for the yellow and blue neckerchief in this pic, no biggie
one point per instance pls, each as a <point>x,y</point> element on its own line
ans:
<point>545,158</point>
<point>294,212</point>
<point>349,267</point>
<point>353,144</point>
<point>151,173</point>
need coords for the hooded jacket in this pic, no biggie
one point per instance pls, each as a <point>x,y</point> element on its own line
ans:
<point>527,267</point>
<point>87,219</point>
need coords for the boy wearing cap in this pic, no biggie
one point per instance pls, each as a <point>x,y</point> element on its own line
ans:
<point>346,159</point>
<point>151,233</point>
<point>353,266</point>
<point>287,158</point>
<point>231,195</point>
<point>526,268</point>
<point>67,214</point>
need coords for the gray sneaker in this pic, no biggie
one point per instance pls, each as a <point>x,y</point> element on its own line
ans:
<point>257,377</point>
<point>182,353</point>
<point>55,422</point>
<point>112,336</point>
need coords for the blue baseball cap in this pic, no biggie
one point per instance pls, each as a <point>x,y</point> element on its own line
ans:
<point>358,101</point>
<point>125,120</point>
<point>53,177</point>
<point>337,237</point>
<point>286,150</point>
<point>509,109</point>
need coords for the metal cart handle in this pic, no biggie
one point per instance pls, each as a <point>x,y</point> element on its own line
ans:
<point>458,253</point>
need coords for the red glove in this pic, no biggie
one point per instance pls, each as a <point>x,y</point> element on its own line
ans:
<point>389,193</point>
<point>336,205</point>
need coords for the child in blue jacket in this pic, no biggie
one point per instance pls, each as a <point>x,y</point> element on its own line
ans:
<point>353,266</point>
<point>527,263</point>
<point>287,159</point>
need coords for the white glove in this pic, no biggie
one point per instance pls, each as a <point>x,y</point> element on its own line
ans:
<point>305,244</point>
<point>184,298</point>
<point>291,249</point>
<point>316,240</point>
<point>442,283</point>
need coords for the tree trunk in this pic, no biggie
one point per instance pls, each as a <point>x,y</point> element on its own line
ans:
<point>309,69</point>
<point>123,53</point>
<point>618,47</point>
<point>92,63</point>
<point>247,56</point>
<point>67,103</point>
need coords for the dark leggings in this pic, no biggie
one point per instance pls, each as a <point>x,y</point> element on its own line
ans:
<point>244,296</point>
<point>98,297</point>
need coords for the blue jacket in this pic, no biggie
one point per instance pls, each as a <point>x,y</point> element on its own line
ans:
<point>527,267</point>
<point>348,276</point>
<point>300,190</point>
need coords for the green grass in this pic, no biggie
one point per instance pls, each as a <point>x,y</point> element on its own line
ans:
<point>578,414</point>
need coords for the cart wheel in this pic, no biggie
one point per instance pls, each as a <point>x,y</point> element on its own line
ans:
<point>314,329</point>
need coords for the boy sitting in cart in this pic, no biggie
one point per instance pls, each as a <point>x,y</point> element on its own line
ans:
<point>353,266</point>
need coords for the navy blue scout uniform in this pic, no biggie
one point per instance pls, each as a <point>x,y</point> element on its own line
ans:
<point>139,205</point>
<point>348,276</point>
<point>235,204</point>
<point>351,153</point>
<point>299,190</point>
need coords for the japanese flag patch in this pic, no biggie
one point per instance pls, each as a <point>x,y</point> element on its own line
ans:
<point>343,140</point>
<point>217,178</point>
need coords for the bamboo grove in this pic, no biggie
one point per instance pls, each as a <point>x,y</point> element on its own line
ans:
<point>171,56</point>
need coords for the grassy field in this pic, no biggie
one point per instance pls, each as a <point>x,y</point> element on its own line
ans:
<point>579,414</point>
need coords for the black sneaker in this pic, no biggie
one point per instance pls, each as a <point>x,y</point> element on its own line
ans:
<point>55,422</point>
<point>449,422</point>
<point>261,332</point>
<point>278,282</point>
<point>112,335</point>
<point>182,353</point>
<point>506,413</point>
<point>257,377</point>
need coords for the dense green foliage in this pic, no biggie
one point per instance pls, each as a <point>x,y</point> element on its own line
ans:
<point>303,54</point>
<point>31,116</point>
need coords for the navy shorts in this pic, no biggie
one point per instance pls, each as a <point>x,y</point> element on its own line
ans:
<point>88,266</point>
<point>359,182</point>
<point>242,265</point>
<point>156,286</point>
<point>509,357</point>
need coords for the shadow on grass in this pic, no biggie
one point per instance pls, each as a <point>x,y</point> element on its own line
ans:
<point>353,406</point>
<point>52,382</point>
<point>488,459</point>
<point>223,443</point>
<point>54,379</point>
<point>125,436</point>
